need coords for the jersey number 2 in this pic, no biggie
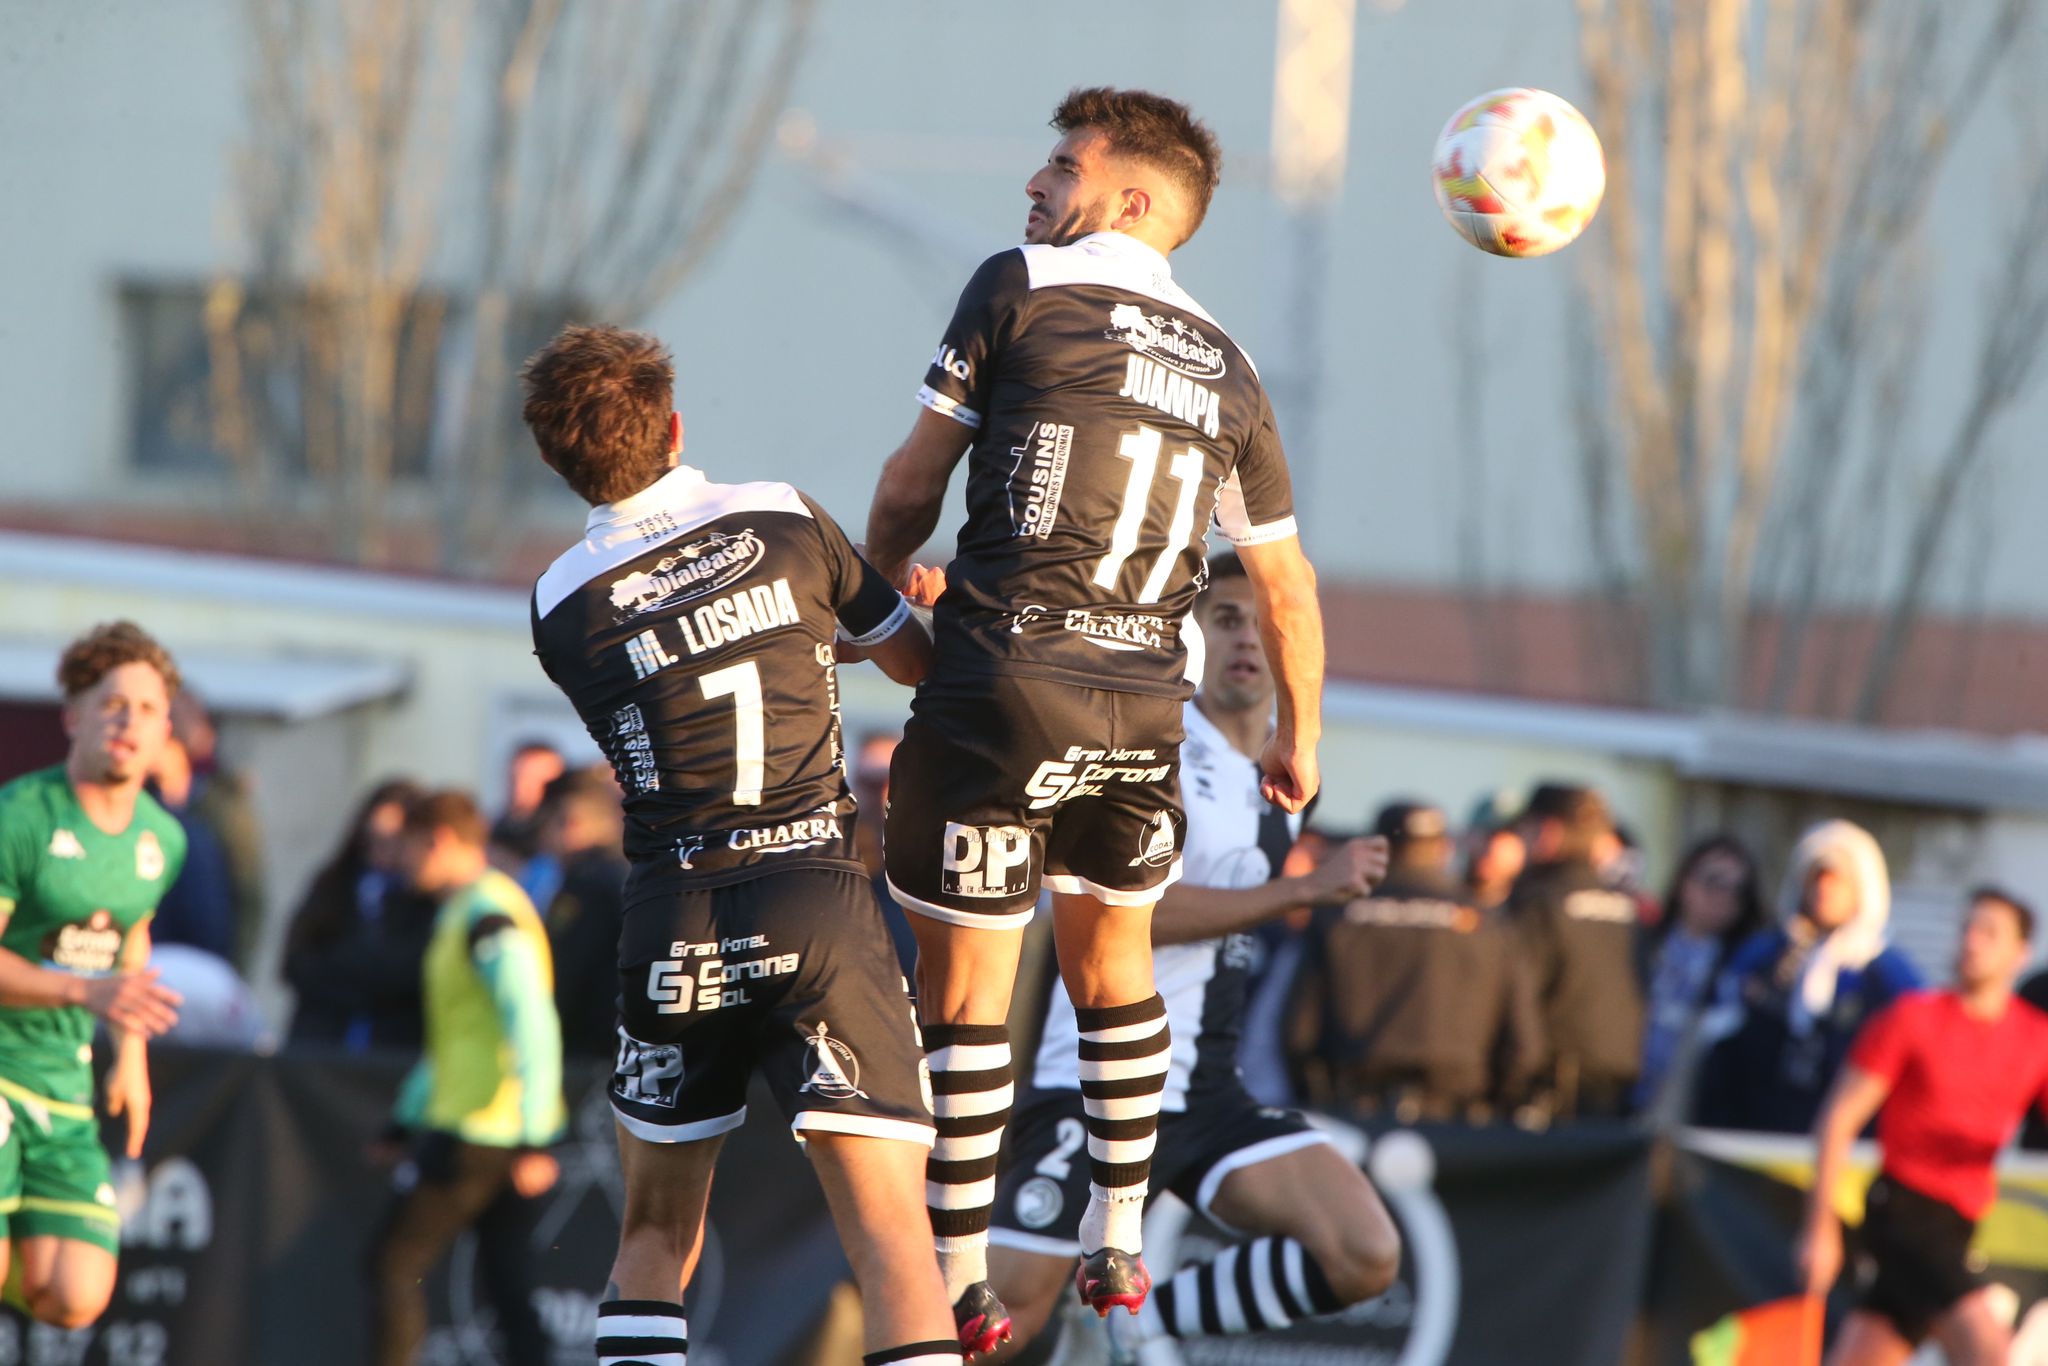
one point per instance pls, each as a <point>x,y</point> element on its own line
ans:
<point>1141,448</point>
<point>742,683</point>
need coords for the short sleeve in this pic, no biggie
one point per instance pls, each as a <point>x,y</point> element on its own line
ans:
<point>963,368</point>
<point>1256,503</point>
<point>1883,1044</point>
<point>868,608</point>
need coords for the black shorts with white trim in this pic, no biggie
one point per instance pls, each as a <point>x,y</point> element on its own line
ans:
<point>790,975</point>
<point>1005,784</point>
<point>1044,1187</point>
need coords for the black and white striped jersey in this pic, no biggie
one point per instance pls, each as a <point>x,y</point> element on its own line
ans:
<point>693,628</point>
<point>1235,838</point>
<point>1114,420</point>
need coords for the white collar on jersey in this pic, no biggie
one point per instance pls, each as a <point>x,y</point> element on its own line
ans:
<point>1196,723</point>
<point>1124,242</point>
<point>677,486</point>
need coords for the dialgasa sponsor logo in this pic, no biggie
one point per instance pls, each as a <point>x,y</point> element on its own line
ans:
<point>703,566</point>
<point>1173,342</point>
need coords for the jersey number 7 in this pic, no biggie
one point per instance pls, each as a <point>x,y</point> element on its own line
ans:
<point>742,683</point>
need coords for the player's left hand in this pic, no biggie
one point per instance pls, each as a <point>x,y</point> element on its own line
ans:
<point>535,1174</point>
<point>925,586</point>
<point>128,1094</point>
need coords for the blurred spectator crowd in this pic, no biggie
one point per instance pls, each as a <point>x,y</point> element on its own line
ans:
<point>1510,970</point>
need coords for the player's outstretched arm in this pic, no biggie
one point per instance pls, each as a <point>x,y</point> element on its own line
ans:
<point>1188,915</point>
<point>1291,626</point>
<point>912,492</point>
<point>1855,1099</point>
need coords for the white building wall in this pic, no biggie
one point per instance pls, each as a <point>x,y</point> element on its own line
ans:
<point>802,338</point>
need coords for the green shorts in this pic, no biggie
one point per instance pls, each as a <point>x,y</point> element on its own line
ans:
<point>54,1177</point>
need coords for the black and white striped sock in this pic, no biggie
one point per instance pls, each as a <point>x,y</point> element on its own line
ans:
<point>1125,1052</point>
<point>972,1090</point>
<point>1255,1287</point>
<point>642,1333</point>
<point>940,1353</point>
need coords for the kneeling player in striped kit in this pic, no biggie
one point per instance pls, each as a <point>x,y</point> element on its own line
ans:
<point>1318,1238</point>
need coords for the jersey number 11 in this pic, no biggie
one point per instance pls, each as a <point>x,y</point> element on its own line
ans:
<point>1142,448</point>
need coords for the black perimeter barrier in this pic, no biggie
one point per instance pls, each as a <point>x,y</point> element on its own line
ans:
<point>1593,1245</point>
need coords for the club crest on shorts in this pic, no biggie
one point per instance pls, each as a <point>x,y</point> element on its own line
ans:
<point>1039,1201</point>
<point>1157,849</point>
<point>834,1072</point>
<point>149,857</point>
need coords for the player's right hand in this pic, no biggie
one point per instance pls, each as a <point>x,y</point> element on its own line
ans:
<point>135,1001</point>
<point>1820,1254</point>
<point>1289,776</point>
<point>1350,871</point>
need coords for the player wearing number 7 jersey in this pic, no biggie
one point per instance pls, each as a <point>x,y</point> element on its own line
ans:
<point>694,629</point>
<point>1106,419</point>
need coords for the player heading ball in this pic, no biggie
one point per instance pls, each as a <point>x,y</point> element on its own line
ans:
<point>1108,419</point>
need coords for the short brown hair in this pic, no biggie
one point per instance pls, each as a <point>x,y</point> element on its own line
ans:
<point>1150,128</point>
<point>107,647</point>
<point>449,809</point>
<point>598,401</point>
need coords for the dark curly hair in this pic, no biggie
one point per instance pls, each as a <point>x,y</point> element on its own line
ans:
<point>1150,128</point>
<point>107,647</point>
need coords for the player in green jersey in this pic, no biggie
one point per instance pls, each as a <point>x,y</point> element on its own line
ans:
<point>85,854</point>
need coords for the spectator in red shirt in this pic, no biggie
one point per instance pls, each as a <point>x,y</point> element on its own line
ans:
<point>1954,1071</point>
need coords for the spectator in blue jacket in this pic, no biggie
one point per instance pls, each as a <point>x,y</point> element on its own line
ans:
<point>1791,999</point>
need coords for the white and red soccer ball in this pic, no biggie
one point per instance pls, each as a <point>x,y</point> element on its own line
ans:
<point>1519,172</point>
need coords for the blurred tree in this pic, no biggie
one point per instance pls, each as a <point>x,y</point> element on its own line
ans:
<point>1756,456</point>
<point>425,193</point>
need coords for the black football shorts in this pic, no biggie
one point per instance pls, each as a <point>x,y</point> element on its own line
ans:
<point>1044,1186</point>
<point>791,975</point>
<point>1004,784</point>
<point>1916,1263</point>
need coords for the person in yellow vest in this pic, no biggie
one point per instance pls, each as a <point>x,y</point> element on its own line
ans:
<point>485,1101</point>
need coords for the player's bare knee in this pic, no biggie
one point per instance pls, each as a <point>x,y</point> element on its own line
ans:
<point>1361,1259</point>
<point>67,1309</point>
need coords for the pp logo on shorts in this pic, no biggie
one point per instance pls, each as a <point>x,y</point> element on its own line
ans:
<point>986,860</point>
<point>650,1073</point>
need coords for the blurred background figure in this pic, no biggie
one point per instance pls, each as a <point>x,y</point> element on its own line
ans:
<point>1494,852</point>
<point>515,834</point>
<point>1581,939</point>
<point>1262,1047</point>
<point>484,1103</point>
<point>218,904</point>
<point>199,909</point>
<point>1412,1002</point>
<point>353,951</point>
<point>1713,907</point>
<point>218,1010</point>
<point>2034,1133</point>
<point>1791,1000</point>
<point>868,775</point>
<point>582,827</point>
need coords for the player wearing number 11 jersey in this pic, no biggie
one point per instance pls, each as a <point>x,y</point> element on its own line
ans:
<point>694,627</point>
<point>1107,420</point>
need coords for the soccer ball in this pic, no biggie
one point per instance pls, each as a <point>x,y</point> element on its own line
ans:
<point>1519,172</point>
